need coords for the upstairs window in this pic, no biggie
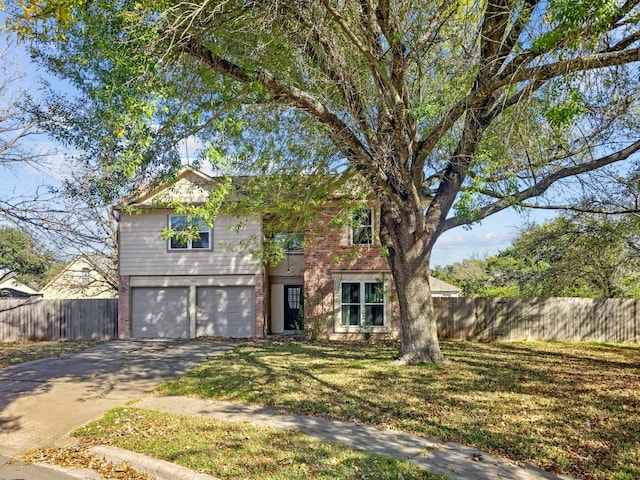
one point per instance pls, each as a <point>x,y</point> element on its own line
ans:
<point>290,242</point>
<point>362,304</point>
<point>362,227</point>
<point>189,232</point>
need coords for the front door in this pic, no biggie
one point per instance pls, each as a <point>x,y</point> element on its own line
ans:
<point>293,307</point>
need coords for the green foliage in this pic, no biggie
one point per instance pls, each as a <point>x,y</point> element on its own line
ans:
<point>465,108</point>
<point>582,256</point>
<point>576,22</point>
<point>470,275</point>
<point>572,256</point>
<point>21,253</point>
<point>564,115</point>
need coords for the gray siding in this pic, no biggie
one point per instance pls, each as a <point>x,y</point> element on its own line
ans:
<point>144,252</point>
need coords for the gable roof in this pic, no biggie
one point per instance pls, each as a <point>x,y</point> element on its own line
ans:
<point>100,263</point>
<point>189,185</point>
<point>104,266</point>
<point>438,285</point>
<point>192,186</point>
<point>10,281</point>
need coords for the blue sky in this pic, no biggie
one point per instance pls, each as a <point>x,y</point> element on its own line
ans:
<point>491,235</point>
<point>487,238</point>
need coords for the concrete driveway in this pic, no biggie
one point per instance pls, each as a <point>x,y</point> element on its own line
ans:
<point>42,401</point>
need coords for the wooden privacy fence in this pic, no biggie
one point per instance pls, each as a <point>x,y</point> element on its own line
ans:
<point>511,319</point>
<point>68,319</point>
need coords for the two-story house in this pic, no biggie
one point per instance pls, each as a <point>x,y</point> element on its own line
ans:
<point>333,282</point>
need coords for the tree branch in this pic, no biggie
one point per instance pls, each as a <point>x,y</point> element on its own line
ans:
<point>542,73</point>
<point>372,61</point>
<point>295,97</point>
<point>543,185</point>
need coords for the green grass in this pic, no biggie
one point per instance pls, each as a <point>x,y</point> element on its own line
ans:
<point>240,451</point>
<point>12,353</point>
<point>569,408</point>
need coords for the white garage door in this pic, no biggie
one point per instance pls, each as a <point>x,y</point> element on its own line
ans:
<point>159,312</point>
<point>225,312</point>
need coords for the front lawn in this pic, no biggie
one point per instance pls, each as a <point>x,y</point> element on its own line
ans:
<point>566,407</point>
<point>12,353</point>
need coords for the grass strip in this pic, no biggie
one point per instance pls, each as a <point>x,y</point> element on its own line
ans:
<point>13,353</point>
<point>232,450</point>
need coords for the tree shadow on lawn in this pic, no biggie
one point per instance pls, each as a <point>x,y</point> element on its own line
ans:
<point>563,410</point>
<point>260,381</point>
<point>571,412</point>
<point>567,410</point>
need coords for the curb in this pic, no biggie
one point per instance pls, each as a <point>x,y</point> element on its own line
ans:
<point>161,469</point>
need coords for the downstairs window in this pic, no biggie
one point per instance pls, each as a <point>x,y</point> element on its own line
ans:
<point>362,304</point>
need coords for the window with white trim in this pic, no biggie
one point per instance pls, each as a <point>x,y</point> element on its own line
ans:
<point>362,227</point>
<point>189,232</point>
<point>362,304</point>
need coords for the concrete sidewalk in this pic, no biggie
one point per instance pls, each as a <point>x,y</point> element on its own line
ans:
<point>450,459</point>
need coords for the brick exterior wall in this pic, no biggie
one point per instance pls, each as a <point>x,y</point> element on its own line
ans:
<point>326,255</point>
<point>124,307</point>
<point>259,305</point>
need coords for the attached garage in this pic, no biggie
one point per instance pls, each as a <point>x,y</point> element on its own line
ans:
<point>225,312</point>
<point>160,312</point>
<point>179,312</point>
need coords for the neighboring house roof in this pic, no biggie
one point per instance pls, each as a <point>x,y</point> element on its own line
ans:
<point>86,276</point>
<point>105,266</point>
<point>440,287</point>
<point>10,286</point>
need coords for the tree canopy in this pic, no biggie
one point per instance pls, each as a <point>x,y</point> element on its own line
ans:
<point>24,255</point>
<point>579,255</point>
<point>450,110</point>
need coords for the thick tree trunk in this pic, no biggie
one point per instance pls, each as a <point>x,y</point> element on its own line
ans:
<point>418,329</point>
<point>409,256</point>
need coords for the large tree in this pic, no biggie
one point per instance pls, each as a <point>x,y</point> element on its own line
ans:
<point>450,110</point>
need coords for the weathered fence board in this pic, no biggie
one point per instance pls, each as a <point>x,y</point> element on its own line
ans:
<point>48,319</point>
<point>570,319</point>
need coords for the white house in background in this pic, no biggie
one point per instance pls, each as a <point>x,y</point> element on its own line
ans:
<point>86,276</point>
<point>11,287</point>
<point>440,288</point>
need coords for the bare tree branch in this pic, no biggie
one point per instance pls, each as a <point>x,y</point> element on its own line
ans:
<point>543,185</point>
